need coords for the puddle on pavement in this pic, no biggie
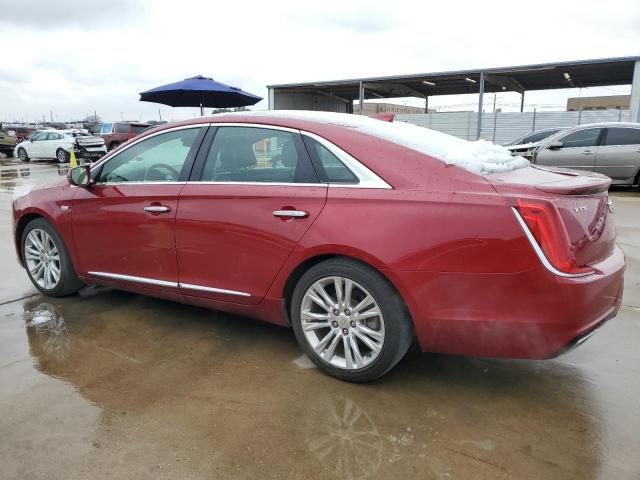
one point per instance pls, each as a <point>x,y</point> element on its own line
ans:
<point>136,386</point>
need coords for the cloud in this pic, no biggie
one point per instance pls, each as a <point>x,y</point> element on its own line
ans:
<point>74,57</point>
<point>60,14</point>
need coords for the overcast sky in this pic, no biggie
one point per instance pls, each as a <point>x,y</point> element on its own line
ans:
<point>76,56</point>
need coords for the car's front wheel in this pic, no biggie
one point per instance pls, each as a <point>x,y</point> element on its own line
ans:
<point>22,155</point>
<point>47,261</point>
<point>349,320</point>
<point>62,155</point>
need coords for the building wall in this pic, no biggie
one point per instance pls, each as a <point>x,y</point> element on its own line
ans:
<point>620,102</point>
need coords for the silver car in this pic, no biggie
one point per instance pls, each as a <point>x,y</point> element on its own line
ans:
<point>612,149</point>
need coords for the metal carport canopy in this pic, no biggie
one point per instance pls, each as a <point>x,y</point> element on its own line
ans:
<point>544,76</point>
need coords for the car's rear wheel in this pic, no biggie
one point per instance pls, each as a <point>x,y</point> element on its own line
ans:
<point>349,320</point>
<point>113,146</point>
<point>22,155</point>
<point>47,261</point>
<point>62,155</point>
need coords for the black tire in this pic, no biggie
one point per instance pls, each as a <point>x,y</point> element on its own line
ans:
<point>114,145</point>
<point>69,282</point>
<point>22,155</point>
<point>397,324</point>
<point>62,155</point>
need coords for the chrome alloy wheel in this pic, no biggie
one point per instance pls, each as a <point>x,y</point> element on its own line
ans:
<point>342,322</point>
<point>42,258</point>
<point>62,156</point>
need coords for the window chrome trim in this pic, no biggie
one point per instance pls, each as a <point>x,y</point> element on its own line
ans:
<point>131,278</point>
<point>254,125</point>
<point>213,290</point>
<point>164,283</point>
<point>540,253</point>
<point>366,177</point>
<point>138,183</point>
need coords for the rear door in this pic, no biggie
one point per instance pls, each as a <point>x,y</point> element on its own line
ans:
<point>253,195</point>
<point>578,151</point>
<point>619,155</point>
<point>123,225</point>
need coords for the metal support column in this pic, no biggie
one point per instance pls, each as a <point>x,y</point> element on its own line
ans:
<point>361,99</point>
<point>522,101</point>
<point>480,100</point>
<point>271,99</point>
<point>634,104</point>
<point>426,104</point>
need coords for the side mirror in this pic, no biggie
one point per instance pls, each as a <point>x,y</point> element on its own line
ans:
<point>557,145</point>
<point>31,139</point>
<point>80,176</point>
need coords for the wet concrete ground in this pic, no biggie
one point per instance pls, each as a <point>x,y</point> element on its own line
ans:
<point>113,385</point>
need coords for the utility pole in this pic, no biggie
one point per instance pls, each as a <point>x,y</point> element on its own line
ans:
<point>160,114</point>
<point>51,115</point>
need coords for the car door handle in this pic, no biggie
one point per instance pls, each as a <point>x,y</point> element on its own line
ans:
<point>290,213</point>
<point>157,209</point>
<point>587,152</point>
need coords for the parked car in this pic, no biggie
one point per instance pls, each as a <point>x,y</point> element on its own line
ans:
<point>115,134</point>
<point>22,132</point>
<point>361,236</point>
<point>612,149</point>
<point>57,144</point>
<point>7,143</point>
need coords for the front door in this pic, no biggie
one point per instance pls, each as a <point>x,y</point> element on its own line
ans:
<point>123,225</point>
<point>619,155</point>
<point>254,197</point>
<point>579,150</point>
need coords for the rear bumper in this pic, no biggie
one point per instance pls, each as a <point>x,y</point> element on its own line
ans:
<point>533,314</point>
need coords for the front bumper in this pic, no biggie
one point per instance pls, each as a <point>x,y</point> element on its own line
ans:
<point>533,314</point>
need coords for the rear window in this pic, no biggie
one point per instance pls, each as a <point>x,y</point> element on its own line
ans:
<point>623,136</point>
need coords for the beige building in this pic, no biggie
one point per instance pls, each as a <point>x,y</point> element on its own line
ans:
<point>372,108</point>
<point>616,102</point>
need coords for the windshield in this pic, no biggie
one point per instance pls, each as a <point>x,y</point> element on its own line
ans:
<point>106,128</point>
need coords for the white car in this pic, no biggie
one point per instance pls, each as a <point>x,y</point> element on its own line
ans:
<point>57,144</point>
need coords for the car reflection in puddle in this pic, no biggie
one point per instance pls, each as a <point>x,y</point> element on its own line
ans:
<point>348,443</point>
<point>47,331</point>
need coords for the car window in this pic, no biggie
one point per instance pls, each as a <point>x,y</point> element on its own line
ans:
<point>623,136</point>
<point>331,169</point>
<point>122,128</point>
<point>156,159</point>
<point>106,128</point>
<point>536,137</point>
<point>581,138</point>
<point>248,154</point>
<point>40,136</point>
<point>136,129</point>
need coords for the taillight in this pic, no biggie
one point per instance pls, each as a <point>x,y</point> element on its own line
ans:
<point>545,224</point>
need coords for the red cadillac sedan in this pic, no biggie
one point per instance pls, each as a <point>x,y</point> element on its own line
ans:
<point>360,234</point>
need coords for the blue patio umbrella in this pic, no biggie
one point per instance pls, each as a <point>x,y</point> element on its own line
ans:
<point>199,92</point>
